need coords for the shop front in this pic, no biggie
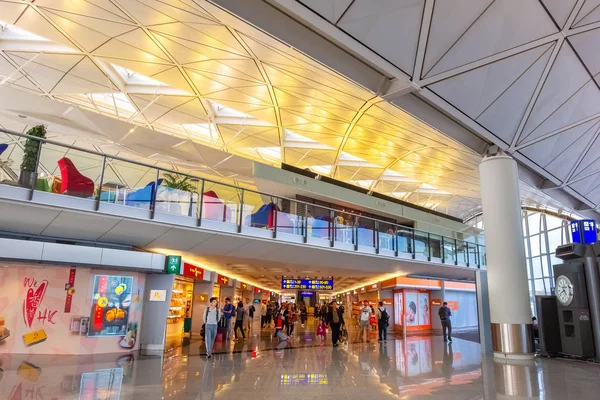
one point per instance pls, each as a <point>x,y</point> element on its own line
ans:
<point>50,309</point>
<point>192,289</point>
<point>416,303</point>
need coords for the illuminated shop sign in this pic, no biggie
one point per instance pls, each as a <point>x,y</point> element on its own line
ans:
<point>307,284</point>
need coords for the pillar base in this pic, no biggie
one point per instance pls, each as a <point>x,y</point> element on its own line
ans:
<point>512,340</point>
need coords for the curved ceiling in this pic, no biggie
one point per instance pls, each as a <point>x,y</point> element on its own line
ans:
<point>524,75</point>
<point>192,70</point>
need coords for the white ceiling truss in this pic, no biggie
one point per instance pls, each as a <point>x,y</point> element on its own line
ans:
<point>191,70</point>
<point>524,75</point>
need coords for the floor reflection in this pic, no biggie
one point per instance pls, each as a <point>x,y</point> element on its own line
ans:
<point>415,368</point>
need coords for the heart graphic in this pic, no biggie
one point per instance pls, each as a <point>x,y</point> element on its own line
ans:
<point>32,302</point>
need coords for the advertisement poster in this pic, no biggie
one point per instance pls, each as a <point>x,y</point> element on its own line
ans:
<point>411,310</point>
<point>51,310</point>
<point>110,305</point>
<point>424,309</point>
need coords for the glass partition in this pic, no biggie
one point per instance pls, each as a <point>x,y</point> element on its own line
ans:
<point>449,250</point>
<point>344,228</point>
<point>405,240</point>
<point>387,234</point>
<point>435,244</point>
<point>365,231</point>
<point>461,251</point>
<point>76,172</point>
<point>421,244</point>
<point>221,203</point>
<point>69,171</point>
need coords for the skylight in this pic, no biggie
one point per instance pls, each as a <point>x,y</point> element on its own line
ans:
<point>11,32</point>
<point>133,78</point>
<point>322,169</point>
<point>202,132</point>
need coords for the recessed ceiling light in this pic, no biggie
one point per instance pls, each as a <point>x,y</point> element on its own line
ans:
<point>22,116</point>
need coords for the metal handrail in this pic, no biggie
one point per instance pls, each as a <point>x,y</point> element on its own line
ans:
<point>397,227</point>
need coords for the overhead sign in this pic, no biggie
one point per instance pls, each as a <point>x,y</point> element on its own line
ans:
<point>307,284</point>
<point>584,231</point>
<point>223,280</point>
<point>173,264</point>
<point>191,271</point>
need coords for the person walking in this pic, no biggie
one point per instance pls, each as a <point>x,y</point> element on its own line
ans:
<point>303,314</point>
<point>249,315</point>
<point>364,319</point>
<point>383,321</point>
<point>263,314</point>
<point>228,313</point>
<point>335,321</point>
<point>269,316</point>
<point>445,313</point>
<point>212,315</point>
<point>289,317</point>
<point>324,312</point>
<point>240,315</point>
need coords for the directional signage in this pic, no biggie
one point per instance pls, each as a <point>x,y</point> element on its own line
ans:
<point>307,284</point>
<point>173,265</point>
<point>584,231</point>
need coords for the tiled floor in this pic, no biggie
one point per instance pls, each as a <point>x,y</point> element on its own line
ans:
<point>416,368</point>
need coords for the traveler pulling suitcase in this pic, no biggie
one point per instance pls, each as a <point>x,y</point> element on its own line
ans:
<point>221,330</point>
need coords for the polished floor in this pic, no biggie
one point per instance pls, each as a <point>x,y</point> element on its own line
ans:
<point>261,368</point>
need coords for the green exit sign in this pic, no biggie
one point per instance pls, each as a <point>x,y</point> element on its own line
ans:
<point>173,264</point>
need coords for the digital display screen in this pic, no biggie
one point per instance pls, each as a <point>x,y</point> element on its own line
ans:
<point>584,231</point>
<point>307,284</point>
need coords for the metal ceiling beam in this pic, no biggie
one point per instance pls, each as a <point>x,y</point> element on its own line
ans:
<point>536,92</point>
<point>422,44</point>
<point>491,59</point>
<point>293,33</point>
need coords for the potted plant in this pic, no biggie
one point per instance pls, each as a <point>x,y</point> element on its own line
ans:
<point>184,184</point>
<point>180,182</point>
<point>28,176</point>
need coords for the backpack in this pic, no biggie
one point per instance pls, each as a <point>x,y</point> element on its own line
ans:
<point>442,313</point>
<point>384,316</point>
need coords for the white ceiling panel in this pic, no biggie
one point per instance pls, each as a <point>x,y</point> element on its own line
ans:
<point>180,239</point>
<point>30,221</point>
<point>330,10</point>
<point>134,233</point>
<point>503,25</point>
<point>387,26</point>
<point>560,10</point>
<point>79,225</point>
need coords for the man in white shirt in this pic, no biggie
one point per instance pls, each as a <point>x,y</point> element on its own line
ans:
<point>263,314</point>
<point>363,320</point>
<point>249,314</point>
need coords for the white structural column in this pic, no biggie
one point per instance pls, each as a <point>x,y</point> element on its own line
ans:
<point>510,313</point>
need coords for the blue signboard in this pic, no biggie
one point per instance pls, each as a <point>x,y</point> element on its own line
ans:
<point>584,231</point>
<point>307,284</point>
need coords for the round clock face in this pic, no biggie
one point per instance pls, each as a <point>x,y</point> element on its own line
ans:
<point>564,290</point>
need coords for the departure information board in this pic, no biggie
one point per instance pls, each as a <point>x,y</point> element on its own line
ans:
<point>307,284</point>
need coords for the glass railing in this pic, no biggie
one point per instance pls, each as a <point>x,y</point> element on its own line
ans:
<point>105,179</point>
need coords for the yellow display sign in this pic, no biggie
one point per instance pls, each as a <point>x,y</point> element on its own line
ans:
<point>31,338</point>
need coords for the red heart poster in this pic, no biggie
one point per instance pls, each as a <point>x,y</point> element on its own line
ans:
<point>32,302</point>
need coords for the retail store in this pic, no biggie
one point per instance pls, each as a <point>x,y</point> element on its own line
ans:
<point>192,289</point>
<point>49,309</point>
